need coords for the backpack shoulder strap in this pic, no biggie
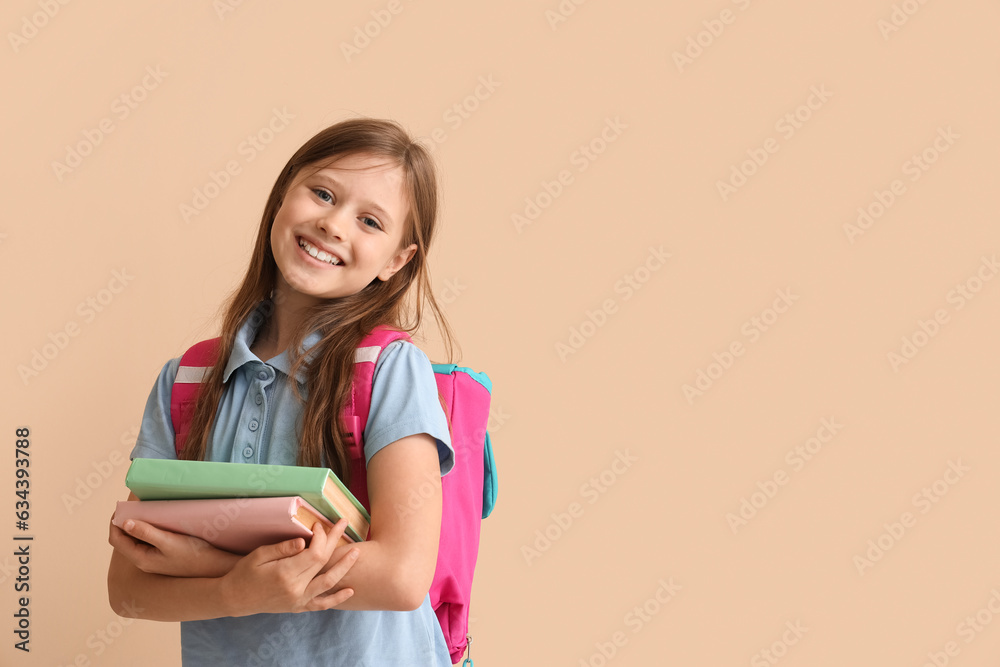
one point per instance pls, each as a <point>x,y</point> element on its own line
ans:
<point>199,358</point>
<point>194,366</point>
<point>355,415</point>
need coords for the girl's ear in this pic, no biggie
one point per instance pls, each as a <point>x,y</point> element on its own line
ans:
<point>397,262</point>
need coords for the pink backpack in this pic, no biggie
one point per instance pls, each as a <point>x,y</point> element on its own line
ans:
<point>468,490</point>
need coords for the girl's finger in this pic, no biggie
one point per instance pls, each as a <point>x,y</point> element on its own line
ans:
<point>325,540</point>
<point>329,579</point>
<point>146,532</point>
<point>277,551</point>
<point>338,531</point>
<point>117,537</point>
<point>319,551</point>
<point>330,601</point>
<point>332,537</point>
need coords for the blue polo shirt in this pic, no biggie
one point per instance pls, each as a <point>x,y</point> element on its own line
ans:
<point>256,423</point>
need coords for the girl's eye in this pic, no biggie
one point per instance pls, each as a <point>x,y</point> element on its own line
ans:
<point>328,198</point>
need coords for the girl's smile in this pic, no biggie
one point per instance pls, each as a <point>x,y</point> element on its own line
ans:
<point>315,252</point>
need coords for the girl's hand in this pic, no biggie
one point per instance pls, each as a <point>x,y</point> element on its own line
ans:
<point>158,551</point>
<point>285,577</point>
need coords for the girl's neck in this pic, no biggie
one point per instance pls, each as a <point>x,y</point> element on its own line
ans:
<point>274,335</point>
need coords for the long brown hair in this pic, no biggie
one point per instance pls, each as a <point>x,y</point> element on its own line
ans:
<point>342,322</point>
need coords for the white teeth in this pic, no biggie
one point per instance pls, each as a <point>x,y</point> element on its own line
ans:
<point>321,255</point>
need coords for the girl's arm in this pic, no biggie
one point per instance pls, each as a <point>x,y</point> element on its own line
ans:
<point>157,597</point>
<point>276,578</point>
<point>396,565</point>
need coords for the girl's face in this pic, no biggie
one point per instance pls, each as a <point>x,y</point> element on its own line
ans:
<point>340,228</point>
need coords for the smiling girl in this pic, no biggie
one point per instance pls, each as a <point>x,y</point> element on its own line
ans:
<point>341,249</point>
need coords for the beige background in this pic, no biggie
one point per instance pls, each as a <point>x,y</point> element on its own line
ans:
<point>515,294</point>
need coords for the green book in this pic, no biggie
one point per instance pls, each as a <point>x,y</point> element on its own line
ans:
<point>170,479</point>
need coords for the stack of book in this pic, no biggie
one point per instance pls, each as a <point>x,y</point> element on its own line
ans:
<point>238,507</point>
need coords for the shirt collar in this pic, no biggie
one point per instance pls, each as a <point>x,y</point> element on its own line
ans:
<point>241,353</point>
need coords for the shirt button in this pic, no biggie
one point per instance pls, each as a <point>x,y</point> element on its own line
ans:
<point>254,424</point>
<point>248,452</point>
<point>258,399</point>
<point>262,375</point>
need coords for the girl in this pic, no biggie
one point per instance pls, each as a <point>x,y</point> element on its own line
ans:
<point>344,236</point>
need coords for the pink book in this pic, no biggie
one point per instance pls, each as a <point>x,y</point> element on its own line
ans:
<point>239,525</point>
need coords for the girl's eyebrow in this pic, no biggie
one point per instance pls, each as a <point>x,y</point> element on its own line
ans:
<point>386,218</point>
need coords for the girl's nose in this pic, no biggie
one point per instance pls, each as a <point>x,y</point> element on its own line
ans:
<point>333,224</point>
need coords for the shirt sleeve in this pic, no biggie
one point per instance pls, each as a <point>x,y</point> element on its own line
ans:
<point>156,432</point>
<point>405,402</point>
